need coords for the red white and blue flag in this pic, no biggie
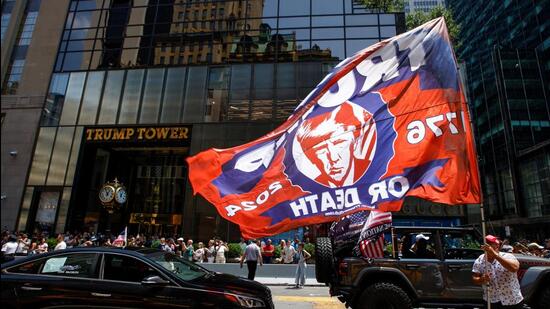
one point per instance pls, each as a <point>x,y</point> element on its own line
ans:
<point>121,240</point>
<point>371,240</point>
<point>389,122</point>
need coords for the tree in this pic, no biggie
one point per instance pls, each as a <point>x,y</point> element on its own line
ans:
<point>384,5</point>
<point>418,18</point>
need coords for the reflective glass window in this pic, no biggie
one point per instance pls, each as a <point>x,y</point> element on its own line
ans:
<point>218,85</point>
<point>327,21</point>
<point>55,99</point>
<point>294,7</point>
<point>25,207</point>
<point>321,7</point>
<point>63,209</point>
<point>330,50</point>
<point>327,33</point>
<point>239,92</point>
<point>60,156</point>
<point>293,22</point>
<point>387,32</point>
<point>151,96</point>
<point>173,95</point>
<point>90,102</point>
<point>42,154</point>
<point>387,19</point>
<point>361,32</point>
<point>131,97</point>
<point>76,61</point>
<point>360,20</point>
<point>111,97</point>
<point>195,94</point>
<point>72,99</point>
<point>74,156</point>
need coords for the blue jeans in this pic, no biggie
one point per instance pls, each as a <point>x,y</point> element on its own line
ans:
<point>300,274</point>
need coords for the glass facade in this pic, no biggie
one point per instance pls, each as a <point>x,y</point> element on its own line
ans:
<point>7,8</point>
<point>23,40</point>
<point>129,34</point>
<point>506,54</point>
<point>230,71</point>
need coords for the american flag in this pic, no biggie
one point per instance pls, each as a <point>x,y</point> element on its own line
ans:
<point>371,240</point>
<point>348,228</point>
<point>120,241</point>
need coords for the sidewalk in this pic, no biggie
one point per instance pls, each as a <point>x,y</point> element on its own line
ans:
<point>268,274</point>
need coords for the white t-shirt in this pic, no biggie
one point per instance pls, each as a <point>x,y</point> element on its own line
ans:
<point>289,253</point>
<point>9,247</point>
<point>60,246</point>
<point>504,285</point>
<point>220,253</point>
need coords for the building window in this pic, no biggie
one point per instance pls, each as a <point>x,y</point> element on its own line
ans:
<point>7,8</point>
<point>19,53</point>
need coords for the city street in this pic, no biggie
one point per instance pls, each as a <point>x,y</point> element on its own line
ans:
<point>307,298</point>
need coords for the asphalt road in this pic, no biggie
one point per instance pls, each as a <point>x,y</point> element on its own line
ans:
<point>307,298</point>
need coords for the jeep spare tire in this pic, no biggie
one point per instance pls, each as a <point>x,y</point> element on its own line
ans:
<point>324,263</point>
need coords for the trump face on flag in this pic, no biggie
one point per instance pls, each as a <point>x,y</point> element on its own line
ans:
<point>338,145</point>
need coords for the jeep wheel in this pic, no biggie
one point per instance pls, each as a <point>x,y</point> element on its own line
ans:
<point>384,295</point>
<point>324,263</point>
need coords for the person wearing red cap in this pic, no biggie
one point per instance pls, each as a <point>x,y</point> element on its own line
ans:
<point>497,272</point>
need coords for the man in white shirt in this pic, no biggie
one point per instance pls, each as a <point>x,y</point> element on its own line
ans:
<point>288,253</point>
<point>498,270</point>
<point>61,244</point>
<point>252,255</point>
<point>9,247</point>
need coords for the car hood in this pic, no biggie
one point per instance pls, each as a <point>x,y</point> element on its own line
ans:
<point>238,285</point>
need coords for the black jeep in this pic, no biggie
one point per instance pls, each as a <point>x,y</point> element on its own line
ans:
<point>440,276</point>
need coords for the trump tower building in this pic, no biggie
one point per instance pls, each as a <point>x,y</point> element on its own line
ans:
<point>139,85</point>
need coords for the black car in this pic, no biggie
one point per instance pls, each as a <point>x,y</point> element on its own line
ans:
<point>123,278</point>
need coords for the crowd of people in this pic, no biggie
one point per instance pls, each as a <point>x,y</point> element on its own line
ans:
<point>213,251</point>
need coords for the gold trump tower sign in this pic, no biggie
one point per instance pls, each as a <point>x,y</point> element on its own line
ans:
<point>138,134</point>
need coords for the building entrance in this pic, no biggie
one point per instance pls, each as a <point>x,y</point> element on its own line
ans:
<point>154,175</point>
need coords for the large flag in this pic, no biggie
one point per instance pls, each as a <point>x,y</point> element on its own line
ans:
<point>389,122</point>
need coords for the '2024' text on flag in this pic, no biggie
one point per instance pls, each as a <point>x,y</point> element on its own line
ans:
<point>390,121</point>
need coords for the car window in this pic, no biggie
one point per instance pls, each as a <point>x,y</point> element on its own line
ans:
<point>27,268</point>
<point>181,268</point>
<point>460,245</point>
<point>126,268</point>
<point>417,245</point>
<point>82,265</point>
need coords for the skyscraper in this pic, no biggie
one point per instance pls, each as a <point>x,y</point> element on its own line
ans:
<point>31,31</point>
<point>506,55</point>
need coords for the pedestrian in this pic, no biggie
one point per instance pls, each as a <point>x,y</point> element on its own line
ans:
<point>23,245</point>
<point>210,251</point>
<point>252,255</point>
<point>288,253</point>
<point>220,250</point>
<point>497,270</point>
<point>42,246</point>
<point>61,244</point>
<point>180,246</point>
<point>242,245</point>
<point>189,250</point>
<point>282,245</point>
<point>267,252</point>
<point>198,255</point>
<point>301,268</point>
<point>10,246</point>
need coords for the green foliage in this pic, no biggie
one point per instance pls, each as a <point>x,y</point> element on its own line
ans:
<point>310,248</point>
<point>418,18</point>
<point>52,242</point>
<point>277,252</point>
<point>384,6</point>
<point>234,250</point>
<point>155,244</point>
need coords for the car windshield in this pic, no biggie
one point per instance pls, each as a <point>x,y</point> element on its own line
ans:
<point>181,268</point>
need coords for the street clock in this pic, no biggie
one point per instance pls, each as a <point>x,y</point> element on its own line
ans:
<point>112,195</point>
